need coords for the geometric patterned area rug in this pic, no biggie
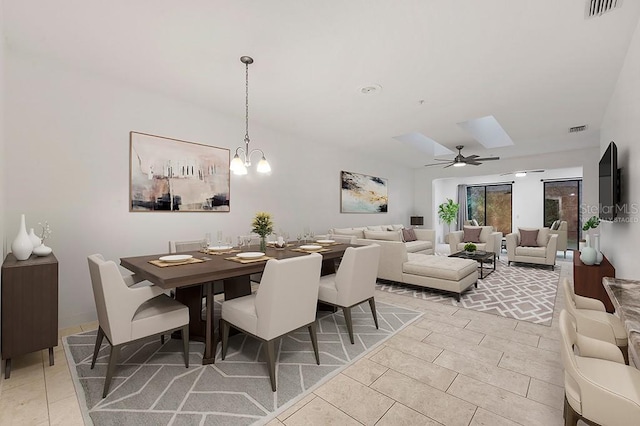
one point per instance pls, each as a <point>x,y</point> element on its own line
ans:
<point>521,291</point>
<point>151,386</point>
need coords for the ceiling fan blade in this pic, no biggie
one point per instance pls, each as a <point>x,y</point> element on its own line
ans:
<point>448,165</point>
<point>436,164</point>
<point>441,159</point>
<point>535,171</point>
<point>473,163</point>
<point>472,157</point>
<point>487,159</point>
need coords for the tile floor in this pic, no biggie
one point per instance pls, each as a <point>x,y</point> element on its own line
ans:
<point>452,367</point>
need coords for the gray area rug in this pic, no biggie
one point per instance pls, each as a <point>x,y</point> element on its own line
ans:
<point>520,291</point>
<point>151,386</point>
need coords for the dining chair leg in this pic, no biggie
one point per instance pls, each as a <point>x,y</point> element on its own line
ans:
<point>372,305</point>
<point>185,344</point>
<point>570,416</point>
<point>314,340</point>
<point>113,360</point>
<point>162,339</point>
<point>224,328</point>
<point>99,338</point>
<point>269,350</point>
<point>347,319</point>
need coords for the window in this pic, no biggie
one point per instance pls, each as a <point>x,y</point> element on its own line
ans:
<point>490,205</point>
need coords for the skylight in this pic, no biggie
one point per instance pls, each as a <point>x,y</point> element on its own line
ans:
<point>487,131</point>
<point>424,144</point>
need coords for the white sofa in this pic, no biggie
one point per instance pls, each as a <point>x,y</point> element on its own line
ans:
<point>489,240</point>
<point>439,272</point>
<point>544,253</point>
<point>425,243</point>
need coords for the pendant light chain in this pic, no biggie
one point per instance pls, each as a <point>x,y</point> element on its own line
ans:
<point>246,102</point>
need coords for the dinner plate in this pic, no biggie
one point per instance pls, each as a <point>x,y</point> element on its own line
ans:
<point>176,258</point>
<point>219,248</point>
<point>311,247</point>
<point>250,255</point>
<point>325,241</point>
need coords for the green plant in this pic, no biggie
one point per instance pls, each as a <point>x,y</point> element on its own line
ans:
<point>262,224</point>
<point>448,212</point>
<point>591,223</point>
<point>470,247</point>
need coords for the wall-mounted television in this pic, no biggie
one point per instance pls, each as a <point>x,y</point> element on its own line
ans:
<point>609,183</point>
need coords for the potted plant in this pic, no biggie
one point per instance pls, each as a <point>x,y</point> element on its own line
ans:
<point>263,226</point>
<point>448,212</point>
<point>470,248</point>
<point>592,249</point>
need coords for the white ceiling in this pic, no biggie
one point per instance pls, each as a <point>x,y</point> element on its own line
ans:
<point>539,67</point>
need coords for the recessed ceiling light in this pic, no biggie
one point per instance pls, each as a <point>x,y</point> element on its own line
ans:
<point>372,89</point>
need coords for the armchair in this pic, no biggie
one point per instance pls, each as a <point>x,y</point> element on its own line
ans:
<point>489,240</point>
<point>544,253</point>
<point>599,388</point>
<point>561,231</point>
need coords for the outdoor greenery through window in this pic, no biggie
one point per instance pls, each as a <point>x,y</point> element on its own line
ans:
<point>490,205</point>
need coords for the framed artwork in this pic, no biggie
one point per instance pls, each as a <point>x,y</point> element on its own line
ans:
<point>362,193</point>
<point>170,175</point>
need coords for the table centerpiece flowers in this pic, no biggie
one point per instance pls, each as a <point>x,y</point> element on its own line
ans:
<point>263,226</point>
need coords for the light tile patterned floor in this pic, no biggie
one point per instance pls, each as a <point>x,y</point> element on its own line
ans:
<point>452,367</point>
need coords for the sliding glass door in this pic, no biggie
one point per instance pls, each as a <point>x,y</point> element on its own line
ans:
<point>562,202</point>
<point>491,205</point>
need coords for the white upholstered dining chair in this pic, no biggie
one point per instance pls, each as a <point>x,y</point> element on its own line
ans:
<point>592,320</point>
<point>127,314</point>
<point>285,301</point>
<point>598,387</point>
<point>354,282</point>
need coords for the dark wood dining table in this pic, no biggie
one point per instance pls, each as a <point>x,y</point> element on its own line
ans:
<point>194,281</point>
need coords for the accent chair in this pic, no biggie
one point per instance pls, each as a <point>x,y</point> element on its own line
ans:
<point>539,249</point>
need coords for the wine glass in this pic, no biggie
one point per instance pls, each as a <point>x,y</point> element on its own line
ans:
<point>206,242</point>
<point>219,238</point>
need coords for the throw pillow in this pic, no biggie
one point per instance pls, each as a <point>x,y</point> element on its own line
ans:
<point>408,234</point>
<point>348,231</point>
<point>471,234</point>
<point>554,225</point>
<point>528,238</point>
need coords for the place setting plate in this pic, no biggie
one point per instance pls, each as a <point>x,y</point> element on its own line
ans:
<point>175,258</point>
<point>325,241</point>
<point>250,255</point>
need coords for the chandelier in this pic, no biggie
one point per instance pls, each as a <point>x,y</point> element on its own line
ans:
<point>240,164</point>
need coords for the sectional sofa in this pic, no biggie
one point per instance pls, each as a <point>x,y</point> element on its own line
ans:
<point>425,242</point>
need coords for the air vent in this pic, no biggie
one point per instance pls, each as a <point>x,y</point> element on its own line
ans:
<point>578,129</point>
<point>598,7</point>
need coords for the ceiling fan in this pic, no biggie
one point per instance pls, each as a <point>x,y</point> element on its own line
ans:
<point>522,173</point>
<point>460,160</point>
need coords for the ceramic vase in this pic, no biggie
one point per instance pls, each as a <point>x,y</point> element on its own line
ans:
<point>596,247</point>
<point>588,254</point>
<point>42,250</point>
<point>35,240</point>
<point>22,245</point>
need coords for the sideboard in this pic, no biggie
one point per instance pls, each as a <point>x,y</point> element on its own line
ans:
<point>587,279</point>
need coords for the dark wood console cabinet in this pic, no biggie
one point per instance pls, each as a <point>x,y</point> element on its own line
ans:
<point>587,280</point>
<point>29,306</point>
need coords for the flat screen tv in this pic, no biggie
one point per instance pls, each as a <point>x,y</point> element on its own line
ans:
<point>609,185</point>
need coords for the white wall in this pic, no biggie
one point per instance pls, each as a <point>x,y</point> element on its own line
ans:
<point>621,124</point>
<point>426,199</point>
<point>527,195</point>
<point>68,163</point>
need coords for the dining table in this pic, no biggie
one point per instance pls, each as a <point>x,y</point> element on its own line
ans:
<point>193,280</point>
<point>625,297</point>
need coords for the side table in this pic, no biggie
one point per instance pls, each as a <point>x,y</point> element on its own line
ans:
<point>29,306</point>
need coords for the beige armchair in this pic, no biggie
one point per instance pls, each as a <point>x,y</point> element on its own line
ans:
<point>285,301</point>
<point>561,232</point>
<point>489,240</point>
<point>127,314</point>
<point>598,387</point>
<point>592,320</point>
<point>354,283</point>
<point>544,253</point>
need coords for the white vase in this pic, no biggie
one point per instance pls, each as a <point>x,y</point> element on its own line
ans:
<point>596,247</point>
<point>22,245</point>
<point>35,240</point>
<point>588,254</point>
<point>42,250</point>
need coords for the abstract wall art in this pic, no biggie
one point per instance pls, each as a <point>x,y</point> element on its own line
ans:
<point>362,193</point>
<point>171,175</point>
